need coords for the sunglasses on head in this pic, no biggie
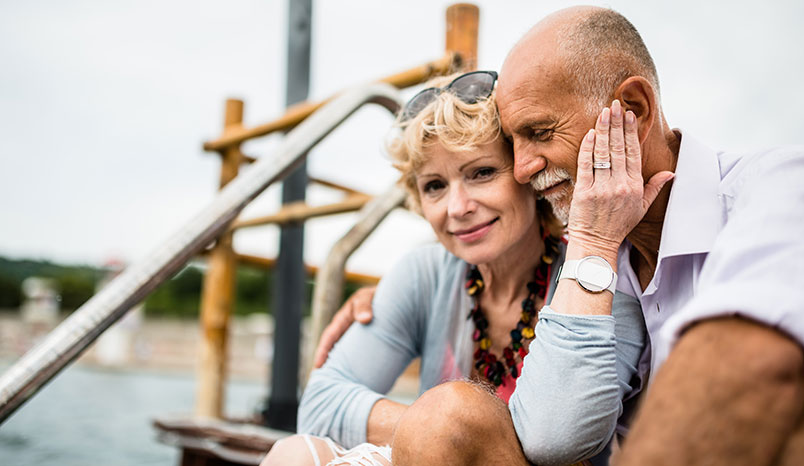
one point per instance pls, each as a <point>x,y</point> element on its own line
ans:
<point>469,87</point>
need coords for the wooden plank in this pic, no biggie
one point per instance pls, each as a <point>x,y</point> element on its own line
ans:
<point>333,185</point>
<point>299,211</point>
<point>265,262</point>
<point>217,442</point>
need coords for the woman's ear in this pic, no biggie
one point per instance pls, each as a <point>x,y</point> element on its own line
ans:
<point>638,95</point>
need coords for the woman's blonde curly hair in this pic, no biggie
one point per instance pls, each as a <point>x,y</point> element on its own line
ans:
<point>456,125</point>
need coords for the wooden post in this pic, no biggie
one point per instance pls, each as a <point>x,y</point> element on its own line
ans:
<point>217,296</point>
<point>462,22</point>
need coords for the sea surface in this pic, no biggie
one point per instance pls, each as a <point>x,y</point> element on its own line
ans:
<point>89,416</point>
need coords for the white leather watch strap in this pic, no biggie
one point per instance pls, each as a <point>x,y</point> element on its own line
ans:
<point>597,274</point>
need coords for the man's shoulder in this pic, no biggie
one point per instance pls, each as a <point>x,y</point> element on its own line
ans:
<point>770,165</point>
<point>761,184</point>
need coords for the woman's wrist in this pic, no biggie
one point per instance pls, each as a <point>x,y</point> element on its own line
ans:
<point>578,249</point>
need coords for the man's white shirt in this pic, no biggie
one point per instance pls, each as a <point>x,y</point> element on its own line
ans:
<point>732,244</point>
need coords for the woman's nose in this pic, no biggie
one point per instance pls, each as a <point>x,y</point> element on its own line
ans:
<point>460,201</point>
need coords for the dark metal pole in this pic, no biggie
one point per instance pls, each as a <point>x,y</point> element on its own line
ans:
<point>289,278</point>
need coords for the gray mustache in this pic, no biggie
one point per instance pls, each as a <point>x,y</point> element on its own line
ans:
<point>545,179</point>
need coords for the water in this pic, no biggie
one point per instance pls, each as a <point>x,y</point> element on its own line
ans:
<point>92,416</point>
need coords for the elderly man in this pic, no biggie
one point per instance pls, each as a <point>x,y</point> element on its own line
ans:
<point>716,262</point>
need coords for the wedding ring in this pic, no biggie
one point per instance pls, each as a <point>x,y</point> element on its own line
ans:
<point>602,165</point>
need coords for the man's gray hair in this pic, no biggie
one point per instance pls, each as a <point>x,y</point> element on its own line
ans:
<point>602,50</point>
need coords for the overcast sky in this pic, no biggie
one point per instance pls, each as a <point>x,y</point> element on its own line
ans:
<point>104,105</point>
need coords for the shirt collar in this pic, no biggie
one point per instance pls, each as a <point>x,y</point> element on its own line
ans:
<point>694,213</point>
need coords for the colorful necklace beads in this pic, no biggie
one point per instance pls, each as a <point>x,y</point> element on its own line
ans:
<point>486,363</point>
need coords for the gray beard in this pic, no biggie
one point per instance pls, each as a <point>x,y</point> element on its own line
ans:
<point>561,208</point>
<point>560,201</point>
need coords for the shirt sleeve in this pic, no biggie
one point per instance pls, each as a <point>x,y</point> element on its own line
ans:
<point>755,266</point>
<point>577,372</point>
<point>368,359</point>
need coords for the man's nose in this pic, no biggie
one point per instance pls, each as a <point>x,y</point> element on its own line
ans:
<point>526,165</point>
<point>460,202</point>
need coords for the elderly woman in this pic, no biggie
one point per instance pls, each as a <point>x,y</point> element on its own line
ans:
<point>474,306</point>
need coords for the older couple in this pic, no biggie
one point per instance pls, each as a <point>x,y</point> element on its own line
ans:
<point>713,261</point>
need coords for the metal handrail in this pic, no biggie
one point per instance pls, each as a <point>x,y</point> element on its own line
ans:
<point>297,113</point>
<point>67,341</point>
<point>328,290</point>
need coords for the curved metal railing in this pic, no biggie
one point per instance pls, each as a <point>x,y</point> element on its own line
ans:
<point>67,341</point>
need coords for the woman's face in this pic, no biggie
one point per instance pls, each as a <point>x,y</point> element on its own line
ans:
<point>476,208</point>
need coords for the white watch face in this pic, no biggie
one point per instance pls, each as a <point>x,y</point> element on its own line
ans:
<point>594,274</point>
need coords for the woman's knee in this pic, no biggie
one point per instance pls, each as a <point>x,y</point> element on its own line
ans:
<point>450,418</point>
<point>290,451</point>
<point>457,423</point>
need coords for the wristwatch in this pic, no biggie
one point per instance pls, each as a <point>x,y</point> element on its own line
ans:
<point>593,273</point>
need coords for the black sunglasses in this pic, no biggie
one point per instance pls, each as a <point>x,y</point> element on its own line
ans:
<point>469,87</point>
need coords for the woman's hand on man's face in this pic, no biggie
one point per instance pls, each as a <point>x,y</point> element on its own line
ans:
<point>610,197</point>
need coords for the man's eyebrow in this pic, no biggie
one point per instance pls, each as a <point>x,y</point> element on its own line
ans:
<point>541,122</point>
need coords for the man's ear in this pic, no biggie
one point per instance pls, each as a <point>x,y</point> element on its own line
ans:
<point>637,94</point>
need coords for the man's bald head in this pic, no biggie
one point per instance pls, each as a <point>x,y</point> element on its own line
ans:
<point>595,49</point>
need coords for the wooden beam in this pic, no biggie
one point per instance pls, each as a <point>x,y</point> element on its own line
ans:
<point>462,26</point>
<point>297,113</point>
<point>217,295</point>
<point>300,211</point>
<point>333,185</point>
<point>247,158</point>
<point>267,263</point>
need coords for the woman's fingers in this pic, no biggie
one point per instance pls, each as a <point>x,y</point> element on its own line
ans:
<point>610,198</point>
<point>632,148</point>
<point>585,175</point>
<point>617,140</point>
<point>601,153</point>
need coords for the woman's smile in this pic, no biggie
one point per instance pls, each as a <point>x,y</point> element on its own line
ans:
<point>476,208</point>
<point>475,233</point>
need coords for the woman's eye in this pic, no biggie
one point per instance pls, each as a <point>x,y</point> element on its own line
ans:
<point>485,172</point>
<point>432,186</point>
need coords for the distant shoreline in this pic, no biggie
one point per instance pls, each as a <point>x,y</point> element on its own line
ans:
<point>162,345</point>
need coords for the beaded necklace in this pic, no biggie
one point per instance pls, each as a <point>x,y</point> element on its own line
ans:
<point>487,363</point>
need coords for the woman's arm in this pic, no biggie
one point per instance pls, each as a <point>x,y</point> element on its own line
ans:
<point>584,356</point>
<point>579,369</point>
<point>344,400</point>
<point>340,398</point>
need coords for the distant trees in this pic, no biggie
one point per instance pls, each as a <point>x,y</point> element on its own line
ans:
<point>76,283</point>
<point>179,296</point>
<point>10,294</point>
